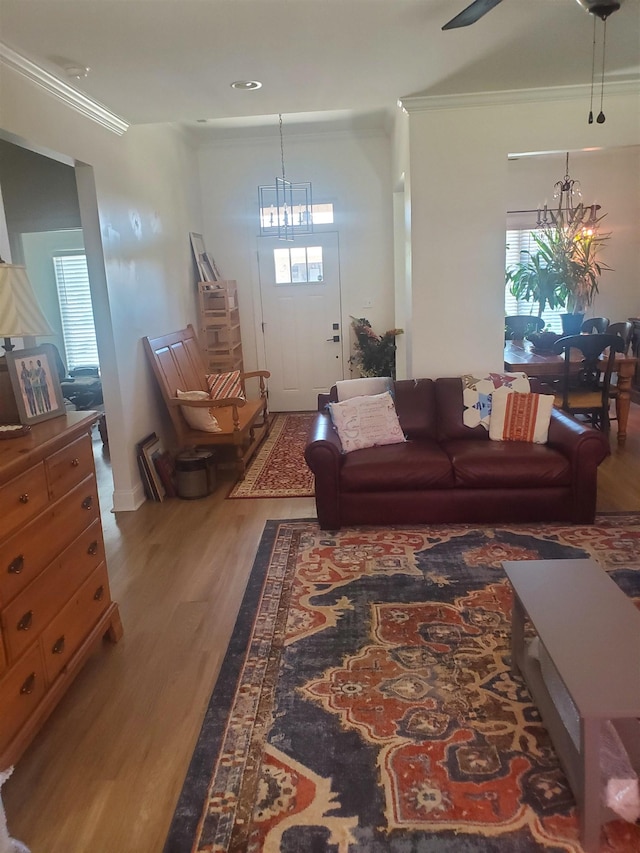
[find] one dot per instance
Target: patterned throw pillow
(200, 419)
(477, 394)
(520, 417)
(223, 385)
(366, 422)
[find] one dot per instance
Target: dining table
(521, 356)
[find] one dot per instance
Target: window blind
(76, 311)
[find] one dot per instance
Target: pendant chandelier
(568, 195)
(285, 207)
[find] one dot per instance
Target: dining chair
(519, 325)
(625, 330)
(585, 391)
(595, 325)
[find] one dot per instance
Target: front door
(300, 290)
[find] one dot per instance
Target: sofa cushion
(413, 465)
(450, 408)
(363, 387)
(416, 407)
(507, 464)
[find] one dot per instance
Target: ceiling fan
(601, 8)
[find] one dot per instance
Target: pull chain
(601, 117)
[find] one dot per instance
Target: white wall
(351, 170)
(459, 195)
(147, 198)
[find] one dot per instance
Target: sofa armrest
(324, 456)
(585, 448)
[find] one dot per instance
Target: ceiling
(174, 60)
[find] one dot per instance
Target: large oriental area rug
(278, 470)
(366, 702)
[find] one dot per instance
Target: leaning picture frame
(36, 386)
(208, 257)
(149, 448)
(197, 246)
(208, 267)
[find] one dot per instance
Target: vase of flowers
(374, 355)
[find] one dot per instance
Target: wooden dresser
(55, 605)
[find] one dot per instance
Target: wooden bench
(177, 364)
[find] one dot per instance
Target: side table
(590, 631)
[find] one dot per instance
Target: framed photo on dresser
(36, 386)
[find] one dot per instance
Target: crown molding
(425, 103)
(61, 90)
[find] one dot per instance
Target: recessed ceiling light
(246, 85)
(78, 72)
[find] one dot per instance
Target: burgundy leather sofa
(447, 472)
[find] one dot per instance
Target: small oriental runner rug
(278, 469)
(366, 703)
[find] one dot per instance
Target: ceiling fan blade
(471, 14)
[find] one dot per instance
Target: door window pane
(282, 261)
(298, 265)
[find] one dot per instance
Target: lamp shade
(20, 313)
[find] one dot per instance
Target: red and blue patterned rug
(366, 703)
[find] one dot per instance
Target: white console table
(591, 632)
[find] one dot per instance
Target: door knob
(335, 339)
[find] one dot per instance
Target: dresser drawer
(22, 498)
(28, 614)
(67, 631)
(20, 692)
(69, 466)
(25, 554)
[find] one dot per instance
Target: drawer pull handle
(99, 593)
(24, 499)
(29, 684)
(58, 647)
(16, 566)
(87, 503)
(75, 462)
(93, 548)
(26, 622)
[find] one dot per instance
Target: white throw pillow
(477, 394)
(200, 419)
(520, 417)
(366, 421)
(364, 387)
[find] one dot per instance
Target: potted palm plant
(534, 279)
(566, 268)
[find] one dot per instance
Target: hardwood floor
(105, 772)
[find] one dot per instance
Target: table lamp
(20, 316)
(20, 313)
